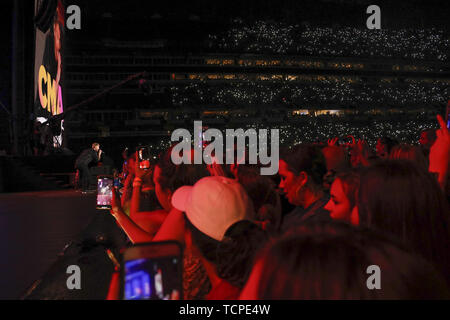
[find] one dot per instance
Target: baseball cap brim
(181, 196)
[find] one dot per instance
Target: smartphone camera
(152, 271)
(104, 192)
(144, 158)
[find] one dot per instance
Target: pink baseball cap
(213, 204)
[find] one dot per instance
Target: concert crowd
(309, 232)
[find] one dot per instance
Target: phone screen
(144, 158)
(104, 192)
(156, 275)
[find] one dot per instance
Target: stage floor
(35, 227)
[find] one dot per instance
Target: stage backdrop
(48, 66)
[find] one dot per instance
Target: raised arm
(440, 153)
(173, 227)
(133, 231)
(140, 176)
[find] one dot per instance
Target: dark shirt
(315, 212)
(86, 157)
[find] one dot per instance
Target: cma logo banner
(51, 97)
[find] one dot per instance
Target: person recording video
(92, 154)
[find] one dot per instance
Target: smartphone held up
(105, 186)
(152, 271)
(144, 158)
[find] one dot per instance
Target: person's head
(262, 192)
(408, 152)
(58, 27)
(384, 146)
(301, 170)
(168, 177)
(427, 138)
(336, 158)
(96, 146)
(234, 256)
(219, 213)
(337, 161)
(239, 161)
(326, 261)
(131, 164)
(343, 194)
(399, 197)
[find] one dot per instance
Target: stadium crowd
(309, 232)
(276, 37)
(278, 93)
(317, 129)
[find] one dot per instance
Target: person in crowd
(427, 139)
(439, 157)
(86, 157)
(301, 170)
(343, 194)
(384, 146)
(218, 216)
(37, 147)
(336, 158)
(265, 198)
(144, 207)
(403, 199)
(166, 224)
(360, 154)
(125, 156)
(167, 177)
(330, 261)
(127, 189)
(408, 152)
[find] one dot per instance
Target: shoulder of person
(292, 218)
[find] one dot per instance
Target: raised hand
(138, 172)
(332, 142)
(360, 152)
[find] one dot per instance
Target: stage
(37, 227)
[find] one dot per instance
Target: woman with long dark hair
(335, 261)
(403, 199)
(301, 170)
(167, 177)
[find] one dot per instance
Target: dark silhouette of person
(92, 154)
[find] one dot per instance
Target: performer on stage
(83, 161)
